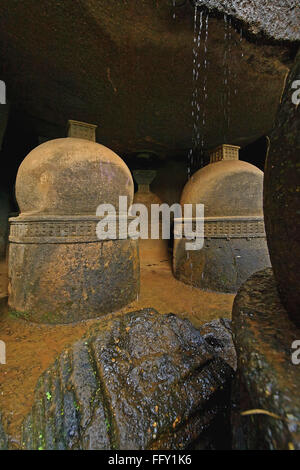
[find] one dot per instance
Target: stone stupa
(59, 271)
(235, 244)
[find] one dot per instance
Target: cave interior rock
(165, 102)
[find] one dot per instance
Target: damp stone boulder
(137, 381)
(235, 244)
(282, 195)
(218, 334)
(59, 270)
(267, 382)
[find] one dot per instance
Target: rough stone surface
(277, 19)
(3, 437)
(71, 176)
(63, 283)
(221, 265)
(140, 381)
(226, 189)
(281, 197)
(59, 269)
(218, 334)
(127, 67)
(266, 377)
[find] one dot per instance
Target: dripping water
(205, 91)
(242, 55)
(198, 22)
(229, 74)
(241, 42)
(227, 78)
(200, 90)
(199, 98)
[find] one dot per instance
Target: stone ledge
(277, 20)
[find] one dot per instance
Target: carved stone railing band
(228, 227)
(61, 229)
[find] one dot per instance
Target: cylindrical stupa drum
(234, 235)
(4, 214)
(59, 270)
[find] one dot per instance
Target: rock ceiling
(127, 66)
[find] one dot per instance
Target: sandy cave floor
(31, 348)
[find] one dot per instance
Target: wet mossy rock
(282, 194)
(218, 334)
(266, 379)
(140, 381)
(3, 437)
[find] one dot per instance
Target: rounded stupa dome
(226, 188)
(71, 176)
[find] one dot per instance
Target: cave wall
(128, 68)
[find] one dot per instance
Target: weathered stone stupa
(59, 271)
(144, 195)
(151, 250)
(235, 241)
